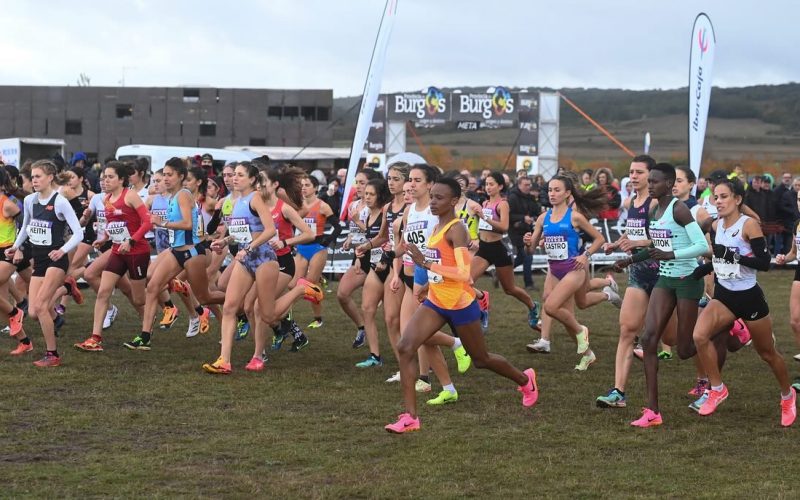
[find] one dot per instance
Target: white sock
(456, 343)
(717, 387)
(544, 341)
(450, 388)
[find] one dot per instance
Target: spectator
(523, 208)
(790, 212)
(333, 195)
(757, 198)
(784, 214)
(207, 164)
(604, 179)
(587, 183)
(472, 190)
(702, 188)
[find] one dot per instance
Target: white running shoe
(394, 378)
(613, 296)
(7, 330)
(422, 386)
(111, 315)
(796, 356)
(613, 282)
(194, 327)
(541, 346)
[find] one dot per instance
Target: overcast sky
(637, 44)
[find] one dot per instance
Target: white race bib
(482, 224)
(40, 232)
(433, 256)
(726, 270)
(239, 229)
(171, 236)
(635, 230)
(375, 255)
(556, 248)
(118, 232)
(201, 225)
(415, 233)
(662, 239)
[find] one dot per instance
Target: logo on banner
(502, 102)
(702, 42)
(435, 102)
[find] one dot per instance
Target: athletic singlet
(45, 229)
(444, 292)
(390, 218)
(315, 219)
(711, 208)
(489, 210)
(668, 236)
(121, 222)
(203, 218)
(727, 270)
(98, 208)
(181, 237)
(638, 221)
(469, 220)
(159, 207)
(694, 211)
(373, 230)
(561, 240)
(419, 225)
(243, 222)
(356, 234)
(8, 226)
(283, 228)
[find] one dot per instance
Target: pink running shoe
(255, 365)
(699, 388)
(740, 331)
(649, 418)
(530, 392)
(715, 398)
(405, 423)
(789, 409)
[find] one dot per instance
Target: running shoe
(59, 309)
(483, 305)
(740, 331)
(299, 343)
(649, 418)
(586, 361)
(394, 378)
(317, 323)
(422, 386)
(715, 398)
(76, 294)
(583, 340)
(704, 300)
(21, 349)
(533, 316)
(204, 320)
(49, 360)
(92, 344)
(612, 283)
(699, 388)
(444, 397)
(242, 329)
(137, 344)
(15, 322)
(313, 293)
(613, 297)
(169, 318)
(277, 340)
(218, 367)
(462, 359)
(58, 323)
(614, 399)
(370, 362)
(665, 355)
(530, 391)
(111, 316)
(789, 409)
(194, 327)
(6, 329)
(361, 337)
(638, 351)
(541, 346)
(698, 403)
(405, 423)
(255, 365)
(796, 357)
(796, 384)
(484, 318)
(180, 287)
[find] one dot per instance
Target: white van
(158, 155)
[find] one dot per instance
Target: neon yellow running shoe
(583, 340)
(444, 398)
(462, 359)
(586, 361)
(317, 323)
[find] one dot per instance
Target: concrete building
(97, 120)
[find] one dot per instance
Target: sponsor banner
(376, 161)
(468, 126)
(376, 138)
(701, 66)
(528, 143)
(528, 163)
(427, 109)
(497, 109)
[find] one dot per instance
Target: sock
(13, 312)
(450, 388)
(787, 396)
(717, 387)
(297, 333)
(169, 304)
(608, 295)
(199, 310)
(456, 343)
(425, 378)
(145, 336)
(53, 352)
(622, 393)
(375, 356)
(361, 327)
(318, 319)
(23, 303)
(68, 287)
(25, 341)
(242, 317)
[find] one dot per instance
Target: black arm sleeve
(640, 256)
(333, 220)
(213, 224)
(760, 259)
(702, 270)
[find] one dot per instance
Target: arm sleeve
(640, 255)
(760, 260)
(64, 209)
(146, 225)
(213, 224)
(461, 271)
(698, 246)
(333, 220)
(26, 218)
(702, 270)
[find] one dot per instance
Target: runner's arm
(26, 219)
(457, 235)
(64, 209)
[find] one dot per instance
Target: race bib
(433, 256)
(171, 236)
(482, 224)
(201, 226)
(239, 229)
(40, 232)
(635, 230)
(375, 255)
(726, 270)
(415, 233)
(556, 248)
(797, 240)
(311, 221)
(100, 225)
(118, 231)
(662, 239)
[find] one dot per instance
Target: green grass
(152, 424)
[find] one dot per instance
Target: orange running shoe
(92, 344)
(22, 349)
(49, 360)
(205, 320)
(180, 287)
(218, 367)
(15, 322)
(313, 293)
(76, 294)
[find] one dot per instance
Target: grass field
(152, 424)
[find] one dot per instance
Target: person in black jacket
(523, 209)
